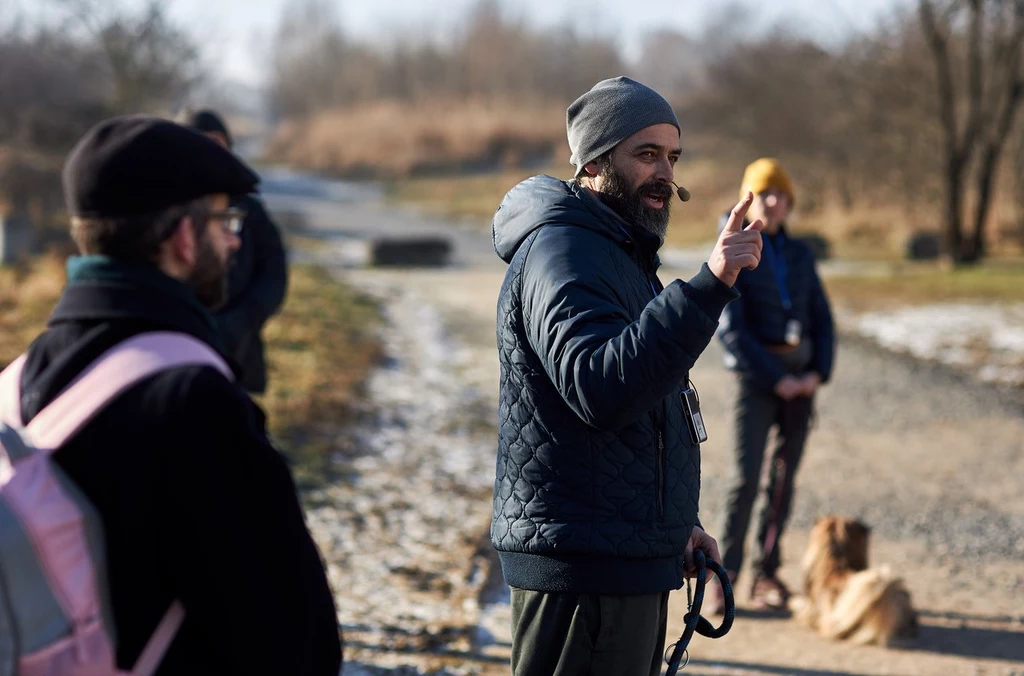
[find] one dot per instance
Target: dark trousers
(558, 634)
(757, 412)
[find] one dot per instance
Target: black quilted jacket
(257, 284)
(597, 479)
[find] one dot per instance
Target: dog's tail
(873, 607)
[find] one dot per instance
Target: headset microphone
(683, 193)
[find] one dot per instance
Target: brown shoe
(769, 592)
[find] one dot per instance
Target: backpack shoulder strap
(153, 654)
(10, 392)
(114, 371)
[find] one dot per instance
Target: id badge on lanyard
(692, 414)
(794, 331)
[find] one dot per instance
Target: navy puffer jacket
(597, 480)
(759, 318)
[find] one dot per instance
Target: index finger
(739, 213)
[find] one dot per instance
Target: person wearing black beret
(196, 504)
(258, 277)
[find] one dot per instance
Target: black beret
(205, 120)
(135, 165)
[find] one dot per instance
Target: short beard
(616, 193)
(209, 279)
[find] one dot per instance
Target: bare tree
(671, 63)
(153, 64)
(1017, 182)
(994, 34)
(493, 56)
(53, 90)
(310, 51)
(782, 97)
(58, 80)
(888, 129)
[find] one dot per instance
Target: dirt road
(934, 463)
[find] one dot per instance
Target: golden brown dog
(842, 597)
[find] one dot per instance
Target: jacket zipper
(661, 474)
(660, 459)
(661, 437)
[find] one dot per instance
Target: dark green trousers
(557, 634)
(756, 413)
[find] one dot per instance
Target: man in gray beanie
(598, 469)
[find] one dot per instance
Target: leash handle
(704, 627)
(693, 621)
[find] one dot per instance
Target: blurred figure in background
(258, 279)
(779, 340)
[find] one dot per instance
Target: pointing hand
(737, 247)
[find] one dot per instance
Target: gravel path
(401, 531)
(932, 461)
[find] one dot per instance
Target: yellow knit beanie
(766, 174)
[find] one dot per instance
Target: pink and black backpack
(55, 614)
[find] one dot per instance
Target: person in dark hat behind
(258, 279)
(195, 503)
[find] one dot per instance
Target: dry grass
(28, 293)
(320, 348)
(877, 232)
(475, 198)
(394, 139)
(459, 158)
(916, 284)
(472, 198)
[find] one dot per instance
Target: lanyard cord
(776, 254)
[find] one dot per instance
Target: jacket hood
(544, 200)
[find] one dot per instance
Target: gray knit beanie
(612, 111)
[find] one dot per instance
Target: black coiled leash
(694, 621)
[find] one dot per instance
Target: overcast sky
(236, 34)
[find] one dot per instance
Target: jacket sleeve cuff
(709, 293)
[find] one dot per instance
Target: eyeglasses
(230, 220)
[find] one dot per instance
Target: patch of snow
(986, 337)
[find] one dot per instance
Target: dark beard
(209, 280)
(616, 193)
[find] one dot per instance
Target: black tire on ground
(410, 252)
(923, 246)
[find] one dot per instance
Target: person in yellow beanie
(779, 340)
(766, 175)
